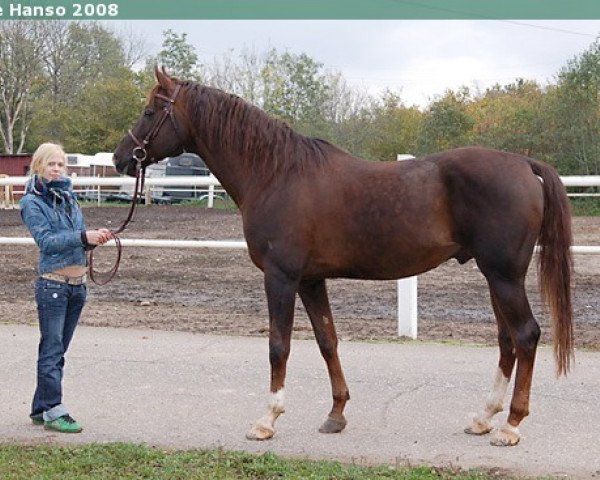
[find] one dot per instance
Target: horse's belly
(386, 266)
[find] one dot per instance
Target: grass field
(585, 206)
(126, 461)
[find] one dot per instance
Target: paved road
(409, 403)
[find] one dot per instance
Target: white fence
(406, 288)
(92, 186)
(201, 180)
(129, 242)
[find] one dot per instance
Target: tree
(44, 68)
(348, 114)
(573, 113)
(77, 53)
(508, 118)
(295, 90)
(237, 73)
(102, 113)
(177, 55)
(447, 123)
(133, 45)
(20, 78)
(76, 57)
(394, 128)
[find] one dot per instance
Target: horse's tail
(555, 263)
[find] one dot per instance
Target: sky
(419, 59)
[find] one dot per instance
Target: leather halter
(139, 153)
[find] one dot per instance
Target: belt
(65, 279)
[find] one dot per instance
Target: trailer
(181, 165)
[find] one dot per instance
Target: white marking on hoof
(479, 426)
(264, 428)
(260, 432)
(507, 436)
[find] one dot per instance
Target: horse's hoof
(260, 432)
(332, 425)
(479, 427)
(505, 437)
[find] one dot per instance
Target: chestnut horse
(312, 211)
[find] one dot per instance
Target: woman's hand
(98, 237)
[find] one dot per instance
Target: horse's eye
(148, 112)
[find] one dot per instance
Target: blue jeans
(59, 307)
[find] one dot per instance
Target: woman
(50, 211)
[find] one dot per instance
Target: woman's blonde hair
(42, 156)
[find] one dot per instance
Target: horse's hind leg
(511, 300)
(281, 295)
(314, 298)
(482, 423)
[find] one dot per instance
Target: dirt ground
(220, 291)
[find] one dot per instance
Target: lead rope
(140, 176)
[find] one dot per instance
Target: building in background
(15, 164)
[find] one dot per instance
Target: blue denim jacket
(56, 224)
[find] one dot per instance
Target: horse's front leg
(314, 298)
(281, 295)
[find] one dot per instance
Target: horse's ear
(162, 77)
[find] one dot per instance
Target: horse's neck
(231, 172)
(240, 172)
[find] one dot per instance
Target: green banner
(299, 9)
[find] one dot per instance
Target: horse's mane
(267, 144)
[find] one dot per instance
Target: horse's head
(159, 132)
